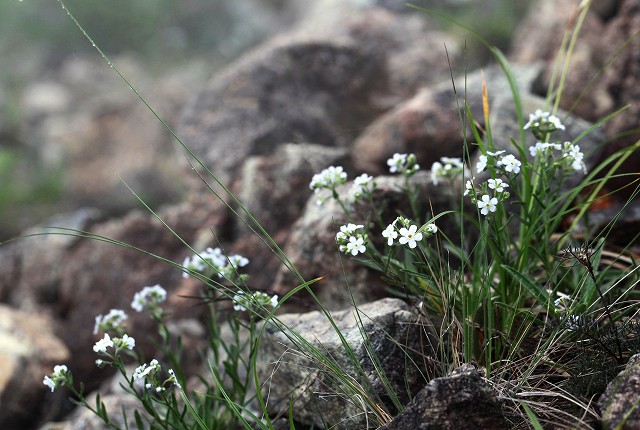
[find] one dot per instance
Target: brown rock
(29, 350)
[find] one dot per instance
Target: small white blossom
(243, 301)
(329, 178)
(497, 184)
(403, 163)
(148, 297)
(57, 378)
(542, 147)
(487, 204)
(482, 163)
(127, 342)
(542, 123)
(575, 156)
(390, 233)
(496, 153)
(510, 163)
(173, 378)
(143, 371)
(356, 245)
(468, 187)
(103, 344)
(447, 168)
(410, 236)
(111, 321)
(361, 184)
(431, 228)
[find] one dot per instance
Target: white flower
(128, 342)
(58, 377)
(356, 245)
(481, 164)
(49, 383)
(145, 370)
(111, 321)
(487, 204)
(575, 156)
(431, 228)
(103, 344)
(172, 378)
(436, 169)
(403, 163)
(542, 147)
(242, 301)
(396, 162)
(449, 168)
(390, 233)
(496, 153)
(409, 236)
(544, 121)
(497, 184)
(361, 184)
(468, 187)
(238, 261)
(148, 296)
(510, 163)
(329, 178)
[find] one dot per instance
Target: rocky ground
(350, 83)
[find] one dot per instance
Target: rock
(275, 187)
(604, 73)
(428, 124)
(619, 403)
(83, 121)
(320, 83)
(460, 401)
(394, 334)
(312, 247)
(77, 279)
(29, 349)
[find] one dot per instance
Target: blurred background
(70, 129)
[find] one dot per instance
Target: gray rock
(459, 401)
(619, 403)
(29, 350)
(428, 124)
(393, 335)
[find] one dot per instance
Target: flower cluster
(58, 378)
(406, 233)
(328, 179)
(113, 321)
(148, 374)
(149, 298)
(212, 260)
(488, 195)
(542, 123)
(117, 343)
(405, 164)
(446, 168)
(504, 164)
(243, 301)
(362, 185)
(351, 239)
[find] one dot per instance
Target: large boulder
(385, 338)
(320, 83)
